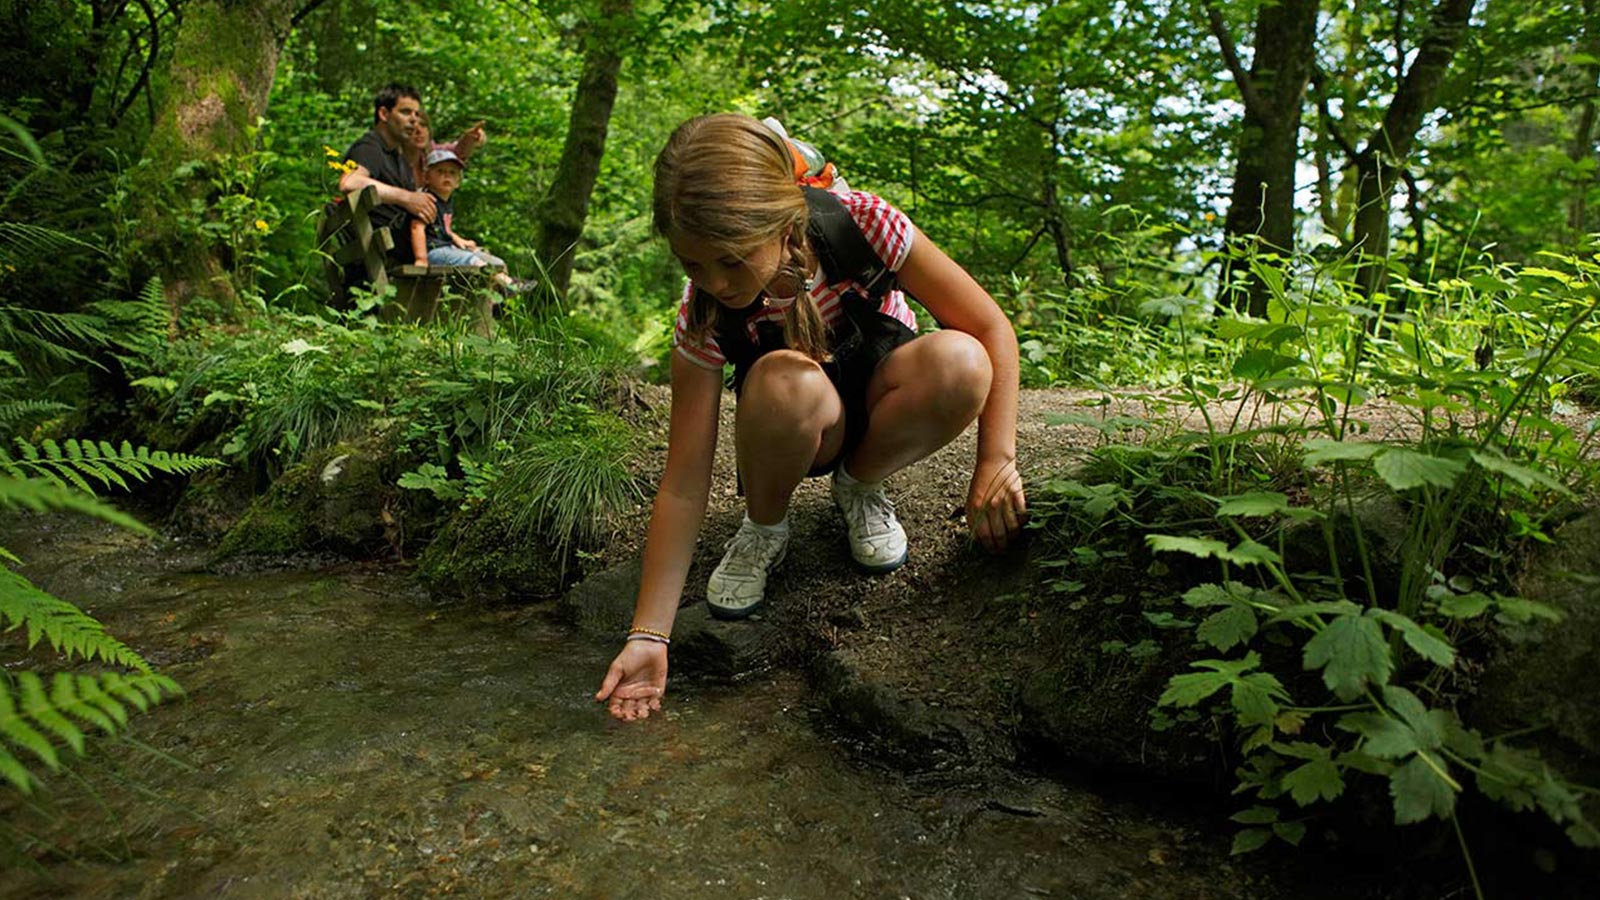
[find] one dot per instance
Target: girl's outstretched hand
(636, 680)
(997, 508)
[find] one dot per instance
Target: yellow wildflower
(332, 153)
(261, 224)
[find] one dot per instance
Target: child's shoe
(736, 588)
(877, 541)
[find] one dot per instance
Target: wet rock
(1542, 678)
(902, 728)
(602, 605)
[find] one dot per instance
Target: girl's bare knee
(788, 388)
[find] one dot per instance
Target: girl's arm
(996, 505)
(637, 677)
(419, 242)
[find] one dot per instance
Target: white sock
(782, 527)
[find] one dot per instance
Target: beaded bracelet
(648, 634)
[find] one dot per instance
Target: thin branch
(305, 10)
(1028, 247)
(1253, 100)
(1327, 114)
(828, 120)
(143, 81)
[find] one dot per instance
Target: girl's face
(734, 279)
(422, 138)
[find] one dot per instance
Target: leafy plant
(1281, 453)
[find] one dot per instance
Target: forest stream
(345, 735)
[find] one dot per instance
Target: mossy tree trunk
(565, 205)
(1261, 213)
(223, 64)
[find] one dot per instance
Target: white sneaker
(736, 588)
(877, 541)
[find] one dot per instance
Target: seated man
(380, 161)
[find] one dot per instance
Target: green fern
(29, 712)
(15, 412)
(41, 334)
(21, 241)
(72, 632)
(139, 326)
(45, 496)
(73, 462)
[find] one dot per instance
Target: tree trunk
(1379, 162)
(565, 205)
(1583, 139)
(222, 69)
(1261, 214)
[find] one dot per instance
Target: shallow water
(346, 736)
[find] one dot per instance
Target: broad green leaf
(1231, 626)
(1211, 595)
(1249, 553)
(1201, 547)
(1496, 462)
(1322, 450)
(1292, 833)
(1190, 689)
(1405, 469)
(1429, 646)
(1463, 606)
(1255, 815)
(1351, 653)
(1250, 839)
(1584, 835)
(1427, 725)
(1255, 698)
(1382, 736)
(1419, 792)
(1318, 779)
(1520, 610)
(1255, 503)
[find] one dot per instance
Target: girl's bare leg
(921, 397)
(789, 418)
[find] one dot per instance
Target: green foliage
(1326, 669)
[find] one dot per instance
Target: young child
(828, 380)
(436, 243)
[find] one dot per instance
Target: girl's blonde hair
(728, 180)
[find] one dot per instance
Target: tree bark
(223, 65)
(1261, 215)
(565, 205)
(1379, 163)
(1583, 138)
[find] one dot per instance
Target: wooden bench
(351, 245)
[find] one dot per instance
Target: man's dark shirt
(387, 166)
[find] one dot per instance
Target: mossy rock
(478, 553)
(1542, 678)
(340, 500)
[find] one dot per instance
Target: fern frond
(49, 334)
(17, 492)
(13, 412)
(29, 716)
(71, 631)
(73, 462)
(138, 326)
(21, 240)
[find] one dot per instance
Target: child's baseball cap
(442, 155)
